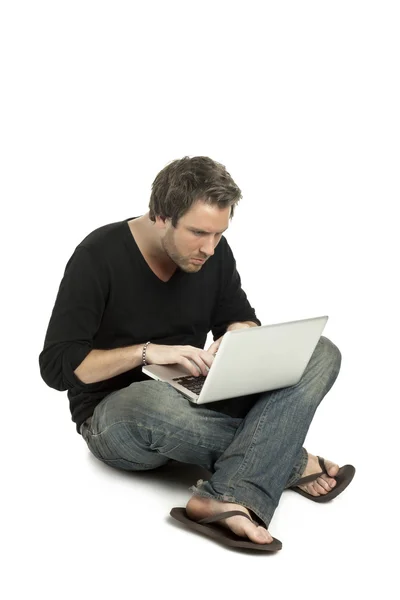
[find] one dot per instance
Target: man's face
(196, 236)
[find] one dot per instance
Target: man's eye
(198, 232)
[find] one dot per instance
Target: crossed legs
(252, 458)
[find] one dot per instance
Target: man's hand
(181, 355)
(243, 325)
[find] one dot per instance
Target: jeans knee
(330, 355)
(332, 352)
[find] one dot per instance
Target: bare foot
(199, 508)
(323, 484)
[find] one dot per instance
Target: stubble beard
(180, 261)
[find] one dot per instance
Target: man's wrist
(144, 361)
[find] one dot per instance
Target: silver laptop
(251, 360)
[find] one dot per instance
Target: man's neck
(146, 233)
(148, 239)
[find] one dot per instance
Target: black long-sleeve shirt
(110, 298)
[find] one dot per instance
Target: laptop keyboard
(192, 383)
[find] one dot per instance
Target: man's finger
(215, 345)
(214, 348)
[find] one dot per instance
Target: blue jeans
(252, 446)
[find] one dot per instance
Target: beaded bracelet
(144, 353)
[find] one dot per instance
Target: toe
(314, 487)
(263, 535)
(255, 533)
(332, 468)
(310, 489)
(246, 528)
(320, 487)
(327, 482)
(323, 484)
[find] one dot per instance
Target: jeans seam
(300, 471)
(245, 460)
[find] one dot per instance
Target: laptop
(256, 359)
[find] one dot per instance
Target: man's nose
(208, 247)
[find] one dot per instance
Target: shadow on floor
(176, 474)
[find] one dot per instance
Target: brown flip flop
(210, 527)
(343, 478)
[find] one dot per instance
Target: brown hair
(182, 182)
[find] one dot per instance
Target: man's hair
(182, 182)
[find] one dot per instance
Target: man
(147, 290)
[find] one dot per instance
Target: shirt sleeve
(233, 304)
(74, 321)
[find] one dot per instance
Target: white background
(300, 101)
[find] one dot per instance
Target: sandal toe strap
(315, 476)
